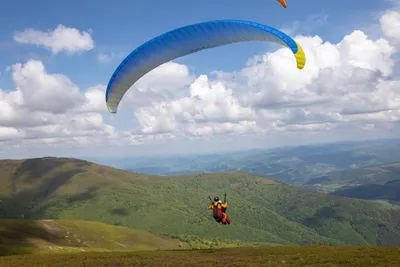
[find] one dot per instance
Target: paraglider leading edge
(186, 40)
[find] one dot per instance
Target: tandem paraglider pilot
(219, 210)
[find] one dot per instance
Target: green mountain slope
(54, 236)
(388, 192)
(262, 210)
(373, 174)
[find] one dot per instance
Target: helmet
(216, 198)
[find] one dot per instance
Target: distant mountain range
(375, 182)
(371, 174)
(295, 165)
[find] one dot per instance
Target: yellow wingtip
(300, 57)
(109, 109)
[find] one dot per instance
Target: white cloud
(61, 39)
(240, 128)
(94, 100)
(109, 57)
(105, 58)
(40, 91)
(7, 133)
(160, 84)
(50, 108)
(207, 103)
(390, 25)
(169, 76)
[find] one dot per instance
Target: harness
(217, 211)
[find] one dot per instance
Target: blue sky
(121, 26)
(118, 27)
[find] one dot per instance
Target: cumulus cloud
(342, 83)
(160, 84)
(47, 110)
(40, 91)
(390, 25)
(8, 132)
(94, 99)
(47, 106)
(61, 39)
(207, 103)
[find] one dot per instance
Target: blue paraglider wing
(188, 40)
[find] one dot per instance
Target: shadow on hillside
(33, 169)
(41, 211)
(34, 202)
(87, 195)
(387, 237)
(389, 191)
(119, 211)
(333, 212)
(22, 236)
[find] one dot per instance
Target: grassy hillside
(374, 174)
(262, 210)
(266, 256)
(389, 192)
(50, 236)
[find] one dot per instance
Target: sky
(56, 61)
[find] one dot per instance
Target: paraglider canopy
(283, 3)
(187, 40)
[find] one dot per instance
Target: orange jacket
(222, 206)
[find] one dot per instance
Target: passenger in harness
(219, 209)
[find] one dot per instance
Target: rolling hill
(262, 210)
(370, 175)
(374, 182)
(19, 236)
(389, 191)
